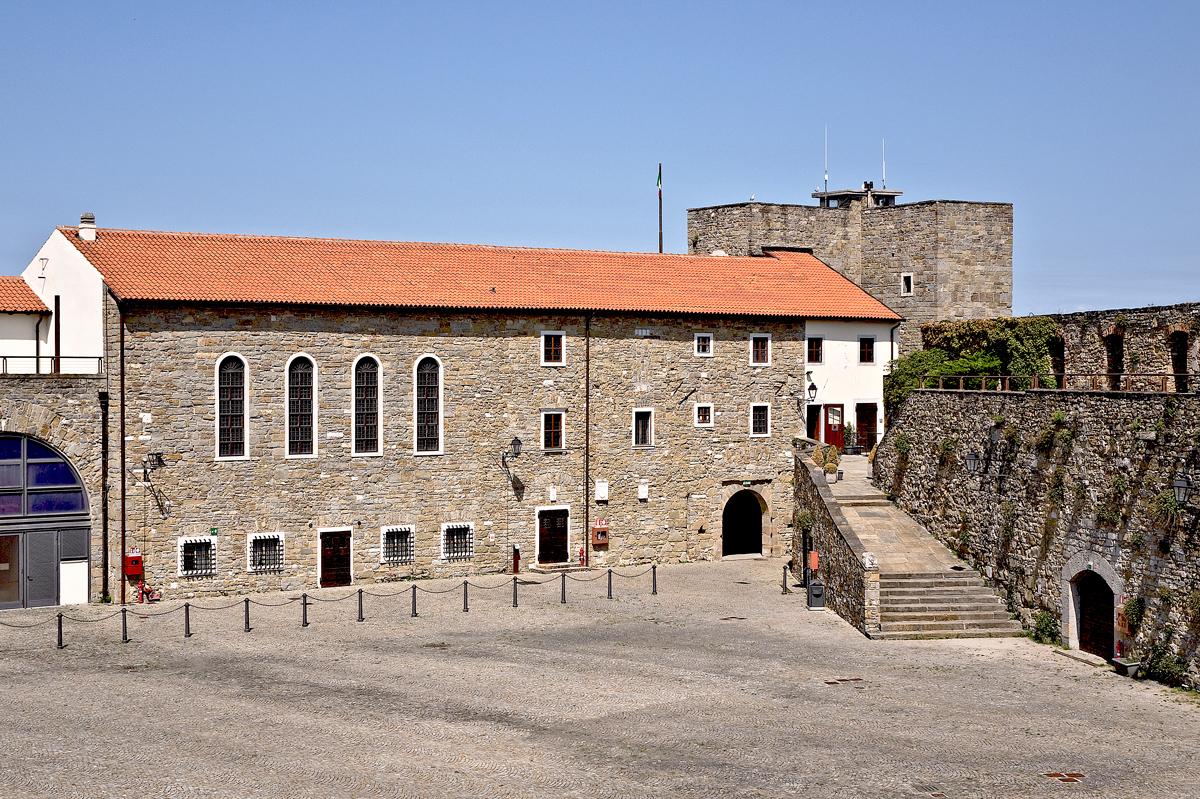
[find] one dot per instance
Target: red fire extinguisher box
(133, 566)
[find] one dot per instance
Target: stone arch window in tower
(301, 407)
(1114, 351)
(366, 406)
(1178, 343)
(428, 386)
(231, 407)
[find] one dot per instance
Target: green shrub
(903, 444)
(1045, 628)
(1161, 665)
(1135, 611)
(1058, 418)
(1165, 510)
(805, 521)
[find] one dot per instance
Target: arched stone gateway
(44, 526)
(1091, 590)
(742, 524)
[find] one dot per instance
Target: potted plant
(851, 440)
(831, 472)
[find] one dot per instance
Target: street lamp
(973, 462)
(1182, 486)
(513, 451)
(812, 392)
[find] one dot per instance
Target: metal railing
(23, 365)
(1138, 382)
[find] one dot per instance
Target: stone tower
(929, 261)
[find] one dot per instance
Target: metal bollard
(246, 614)
(465, 606)
(187, 620)
(786, 590)
(564, 588)
(360, 608)
(514, 592)
(304, 610)
(610, 583)
(414, 602)
(654, 579)
(61, 645)
(124, 628)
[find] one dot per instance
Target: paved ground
(719, 686)
(900, 545)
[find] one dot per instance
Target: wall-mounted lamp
(512, 453)
(1182, 486)
(973, 462)
(812, 387)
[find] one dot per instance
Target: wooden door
(1096, 615)
(335, 558)
(552, 536)
(834, 434)
(866, 417)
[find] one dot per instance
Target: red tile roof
(17, 297)
(221, 268)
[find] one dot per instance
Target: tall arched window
(366, 406)
(231, 407)
(301, 406)
(428, 386)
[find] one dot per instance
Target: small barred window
(398, 545)
(266, 553)
(458, 542)
(197, 557)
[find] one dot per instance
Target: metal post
(187, 620)
(360, 607)
(246, 613)
(124, 627)
(304, 610)
(414, 601)
(514, 592)
(610, 583)
(786, 590)
(654, 579)
(563, 580)
(466, 607)
(61, 645)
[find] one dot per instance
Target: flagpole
(660, 238)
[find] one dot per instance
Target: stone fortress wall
(1071, 481)
(958, 253)
(494, 389)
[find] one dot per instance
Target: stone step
(863, 502)
(948, 574)
(942, 607)
(900, 635)
(940, 614)
(946, 626)
(940, 582)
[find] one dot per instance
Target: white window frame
(194, 539)
(245, 456)
(542, 430)
(396, 528)
(712, 414)
(250, 539)
(712, 340)
(754, 405)
(542, 348)
(753, 336)
(354, 410)
(441, 450)
(633, 428)
(911, 284)
(287, 407)
(445, 527)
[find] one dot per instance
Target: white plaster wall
(81, 291)
(840, 378)
(16, 339)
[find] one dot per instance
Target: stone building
(295, 412)
(928, 261)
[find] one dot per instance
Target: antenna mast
(827, 159)
(883, 144)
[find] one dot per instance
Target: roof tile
(17, 297)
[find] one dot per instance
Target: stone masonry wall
(1146, 333)
(849, 572)
(1072, 482)
(494, 389)
(959, 253)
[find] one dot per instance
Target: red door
(833, 426)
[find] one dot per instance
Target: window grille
(300, 407)
(760, 420)
(760, 350)
(197, 557)
(458, 542)
(398, 545)
(429, 434)
(552, 430)
(231, 408)
(643, 428)
(366, 406)
(266, 553)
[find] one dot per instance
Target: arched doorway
(44, 526)
(742, 524)
(1095, 605)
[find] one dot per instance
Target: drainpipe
(121, 358)
(37, 344)
(587, 439)
(104, 555)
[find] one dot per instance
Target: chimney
(87, 226)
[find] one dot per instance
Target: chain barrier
(152, 615)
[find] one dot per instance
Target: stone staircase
(954, 603)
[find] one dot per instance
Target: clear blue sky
(542, 124)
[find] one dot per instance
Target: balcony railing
(1141, 382)
(51, 365)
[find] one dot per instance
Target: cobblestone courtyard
(718, 686)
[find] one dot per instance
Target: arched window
(301, 406)
(366, 406)
(231, 407)
(35, 480)
(428, 386)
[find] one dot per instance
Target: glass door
(10, 571)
